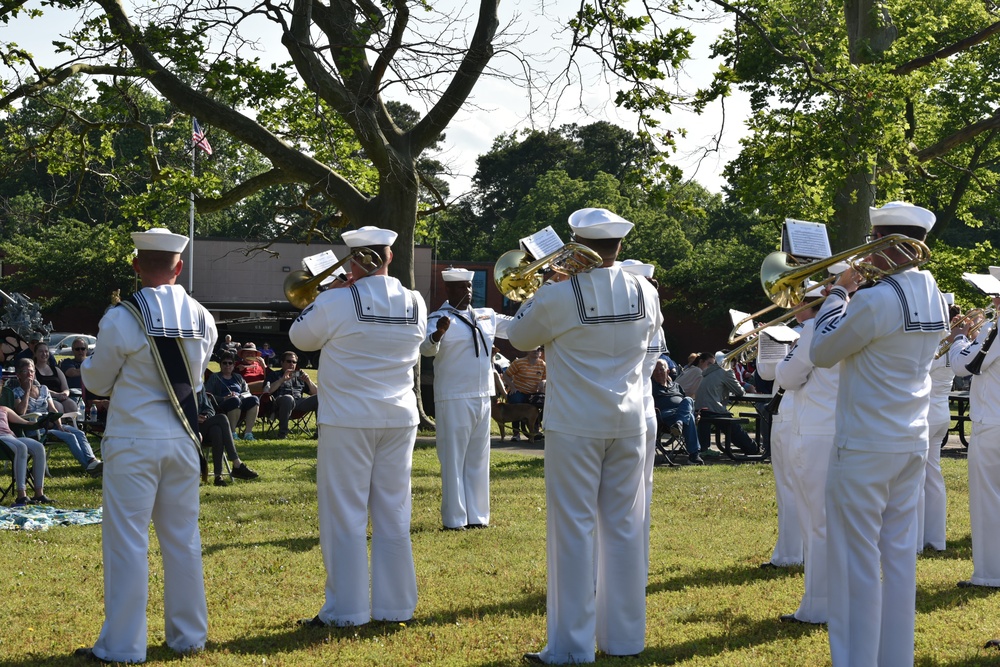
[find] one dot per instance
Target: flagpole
(194, 158)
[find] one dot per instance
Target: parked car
(64, 348)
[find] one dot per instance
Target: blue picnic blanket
(43, 517)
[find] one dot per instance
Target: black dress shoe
(993, 643)
(768, 566)
(453, 527)
(88, 654)
(314, 622)
(790, 618)
(966, 583)
(534, 658)
(473, 526)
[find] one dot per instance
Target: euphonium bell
(518, 278)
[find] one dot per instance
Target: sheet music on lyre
(320, 262)
(984, 282)
(805, 240)
(775, 342)
(542, 243)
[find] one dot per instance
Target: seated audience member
(287, 385)
(525, 379)
(70, 366)
(48, 374)
(26, 395)
(675, 410)
(29, 352)
(713, 392)
(217, 434)
(266, 353)
(251, 366)
(233, 396)
(23, 447)
(690, 379)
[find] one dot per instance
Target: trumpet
(518, 278)
(974, 319)
(784, 280)
(302, 288)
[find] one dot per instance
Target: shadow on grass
(956, 550)
(520, 467)
(294, 544)
(742, 632)
(703, 577)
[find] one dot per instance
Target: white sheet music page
(318, 263)
(805, 240)
(542, 243)
(738, 316)
(983, 282)
(775, 342)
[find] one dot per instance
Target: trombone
(975, 319)
(784, 280)
(518, 278)
(302, 288)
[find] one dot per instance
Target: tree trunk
(870, 32)
(395, 208)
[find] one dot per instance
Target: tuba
(784, 280)
(518, 278)
(302, 288)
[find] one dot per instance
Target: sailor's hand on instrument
(850, 280)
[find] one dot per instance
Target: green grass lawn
(482, 593)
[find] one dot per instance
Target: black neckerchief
(472, 325)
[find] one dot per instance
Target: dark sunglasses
(79, 349)
(226, 363)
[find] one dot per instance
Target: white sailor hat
(598, 223)
(453, 275)
(902, 213)
(949, 298)
(837, 268)
(636, 267)
(368, 236)
(160, 239)
(995, 272)
(813, 289)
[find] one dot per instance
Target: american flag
(198, 138)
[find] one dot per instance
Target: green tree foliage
(855, 102)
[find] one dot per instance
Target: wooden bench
(722, 427)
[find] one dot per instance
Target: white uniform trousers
(145, 480)
(594, 491)
(647, 476)
(932, 508)
(788, 547)
(463, 448)
(984, 503)
(358, 470)
(809, 460)
(871, 518)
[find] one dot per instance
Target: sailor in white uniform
(984, 448)
(151, 463)
(596, 328)
(932, 508)
(788, 546)
(369, 331)
(808, 451)
(657, 346)
(461, 343)
(884, 338)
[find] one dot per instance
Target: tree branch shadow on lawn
(705, 577)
